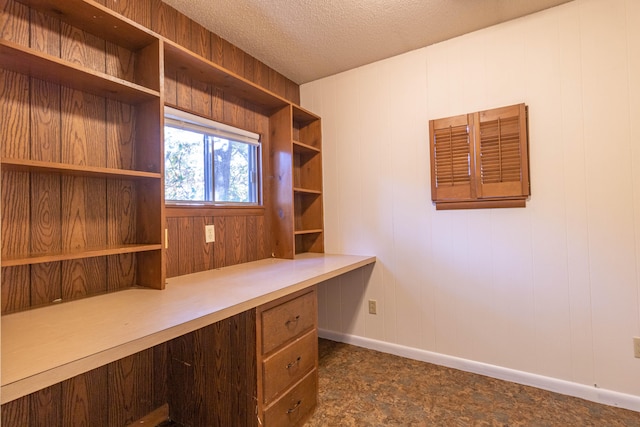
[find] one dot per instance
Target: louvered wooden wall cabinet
(480, 160)
(80, 114)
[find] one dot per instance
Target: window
(209, 162)
(480, 160)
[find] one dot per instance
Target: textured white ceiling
(309, 39)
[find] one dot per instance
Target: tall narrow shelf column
(297, 183)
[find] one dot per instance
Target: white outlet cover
(210, 233)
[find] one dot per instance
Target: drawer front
(294, 407)
(285, 321)
(289, 365)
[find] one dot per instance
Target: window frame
(183, 120)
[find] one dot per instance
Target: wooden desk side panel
(207, 377)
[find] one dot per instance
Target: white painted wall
(552, 289)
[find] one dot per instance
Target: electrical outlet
(210, 233)
(373, 306)
(636, 347)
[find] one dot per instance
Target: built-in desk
(44, 346)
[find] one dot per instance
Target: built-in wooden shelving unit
(81, 166)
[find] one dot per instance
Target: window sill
(184, 210)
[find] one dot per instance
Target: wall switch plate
(210, 233)
(373, 306)
(636, 347)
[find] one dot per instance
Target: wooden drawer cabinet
(289, 365)
(287, 349)
(287, 320)
(296, 406)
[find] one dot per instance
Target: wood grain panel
(16, 413)
(203, 355)
(85, 399)
(261, 74)
(183, 92)
(121, 212)
(82, 48)
(130, 383)
(186, 245)
(84, 212)
(46, 283)
(255, 238)
(252, 237)
(120, 135)
(14, 22)
(277, 83)
(45, 221)
(45, 33)
(220, 385)
(83, 277)
(232, 58)
(45, 406)
(181, 391)
(136, 10)
(163, 18)
(122, 271)
(15, 213)
(173, 249)
(201, 98)
(200, 40)
(120, 62)
(243, 367)
(183, 30)
(14, 114)
(83, 128)
(45, 120)
(220, 247)
(160, 375)
(15, 288)
(217, 49)
(170, 87)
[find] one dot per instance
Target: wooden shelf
(206, 71)
(306, 191)
(12, 261)
(63, 168)
(301, 146)
(302, 116)
(23, 60)
(97, 20)
(314, 231)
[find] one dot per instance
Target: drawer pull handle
(291, 321)
(294, 363)
(295, 407)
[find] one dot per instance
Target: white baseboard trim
(594, 394)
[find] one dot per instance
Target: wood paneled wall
(168, 22)
(240, 237)
(208, 377)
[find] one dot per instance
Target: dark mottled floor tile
(360, 387)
